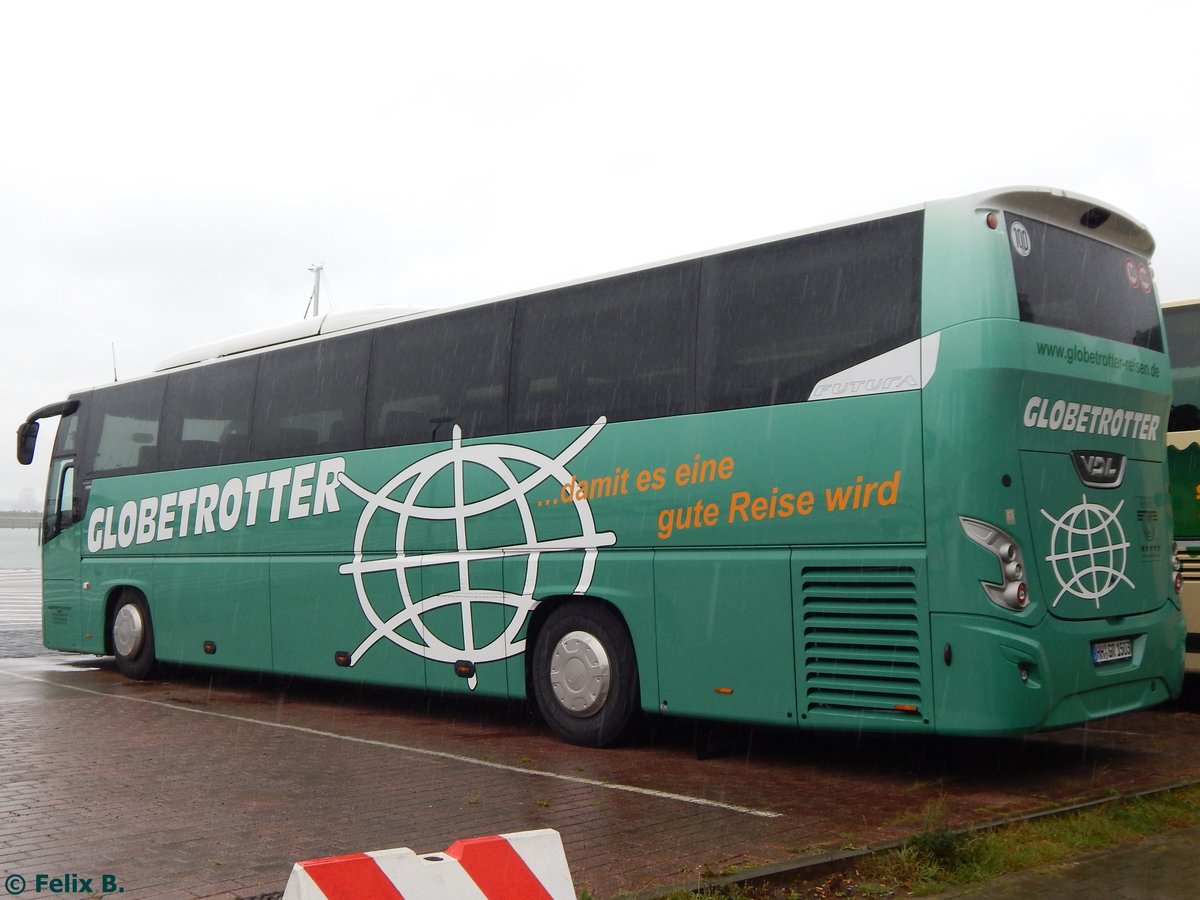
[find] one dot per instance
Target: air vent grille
(862, 642)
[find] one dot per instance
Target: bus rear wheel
(132, 635)
(585, 674)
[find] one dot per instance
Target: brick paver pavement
(213, 785)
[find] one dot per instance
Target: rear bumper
(1005, 679)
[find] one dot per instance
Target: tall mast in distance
(315, 300)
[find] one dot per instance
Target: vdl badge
(1099, 468)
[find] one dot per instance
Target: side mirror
(28, 431)
(27, 442)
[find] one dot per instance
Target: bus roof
(284, 334)
(1074, 212)
(1172, 304)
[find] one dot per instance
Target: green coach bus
(903, 473)
(1182, 320)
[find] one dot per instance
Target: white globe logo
(1088, 551)
(518, 471)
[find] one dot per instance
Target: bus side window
(206, 415)
(310, 398)
(777, 318)
(122, 431)
(622, 347)
(430, 375)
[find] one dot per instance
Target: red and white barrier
(526, 865)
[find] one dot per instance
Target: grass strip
(938, 857)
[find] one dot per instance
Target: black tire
(584, 674)
(132, 636)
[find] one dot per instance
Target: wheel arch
(541, 613)
(117, 593)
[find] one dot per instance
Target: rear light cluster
(1011, 592)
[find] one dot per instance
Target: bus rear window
(1066, 280)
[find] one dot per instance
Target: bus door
(61, 557)
(60, 533)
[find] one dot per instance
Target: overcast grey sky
(169, 171)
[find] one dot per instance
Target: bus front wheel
(133, 637)
(585, 674)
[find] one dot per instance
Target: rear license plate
(1112, 651)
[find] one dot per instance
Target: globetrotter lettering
(297, 492)
(1084, 418)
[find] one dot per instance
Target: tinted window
(122, 433)
(206, 417)
(66, 437)
(309, 398)
(431, 374)
(777, 318)
(621, 347)
(1183, 344)
(64, 503)
(1066, 280)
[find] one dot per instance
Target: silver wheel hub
(129, 630)
(580, 674)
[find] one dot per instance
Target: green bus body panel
(1022, 479)
(1101, 553)
(315, 613)
(1183, 457)
(967, 273)
(985, 460)
(705, 599)
(62, 620)
(222, 600)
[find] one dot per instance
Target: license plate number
(1112, 651)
